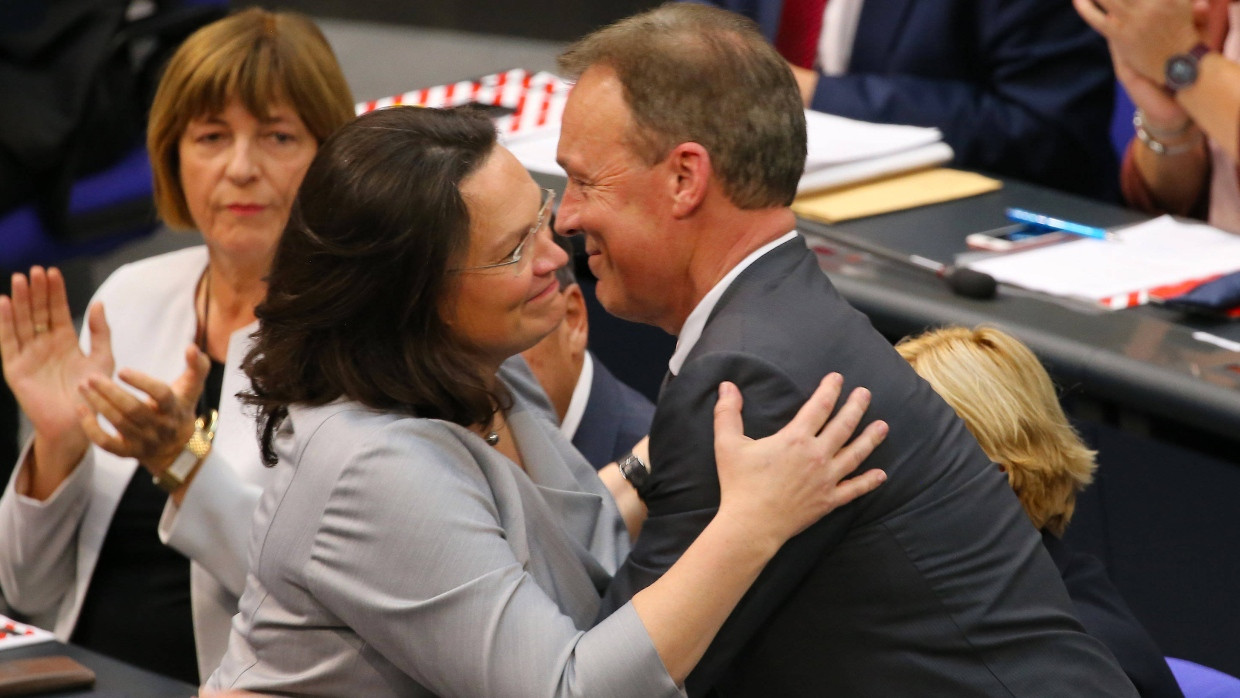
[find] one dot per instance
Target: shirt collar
(691, 331)
(581, 396)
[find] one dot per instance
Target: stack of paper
(845, 151)
(1146, 258)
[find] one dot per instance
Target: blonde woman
(1007, 401)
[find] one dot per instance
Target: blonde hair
(1007, 401)
(260, 58)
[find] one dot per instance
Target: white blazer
(48, 549)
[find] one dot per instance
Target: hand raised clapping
(44, 364)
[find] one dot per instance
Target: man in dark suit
(602, 416)
(683, 141)
(1020, 88)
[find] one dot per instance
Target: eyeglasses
(514, 260)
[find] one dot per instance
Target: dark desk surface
(112, 678)
(1141, 358)
(1161, 408)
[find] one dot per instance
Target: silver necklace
(492, 438)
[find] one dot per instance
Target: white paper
(14, 634)
(1156, 253)
(834, 140)
(536, 151)
(873, 168)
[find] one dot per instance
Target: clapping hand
(44, 364)
(153, 427)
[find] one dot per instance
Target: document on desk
(14, 634)
(894, 193)
(1145, 259)
(845, 151)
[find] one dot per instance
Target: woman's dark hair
(354, 294)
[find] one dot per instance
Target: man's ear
(576, 322)
(690, 172)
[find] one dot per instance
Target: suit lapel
(775, 268)
(881, 23)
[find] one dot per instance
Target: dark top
(934, 584)
(616, 417)
(137, 608)
(1105, 616)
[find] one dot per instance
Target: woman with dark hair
(428, 532)
(1008, 402)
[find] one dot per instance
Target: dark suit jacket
(935, 584)
(1105, 616)
(616, 417)
(1020, 88)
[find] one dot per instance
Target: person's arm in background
(50, 490)
(1142, 35)
(1020, 88)
(631, 506)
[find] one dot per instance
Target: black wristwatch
(635, 470)
(1181, 69)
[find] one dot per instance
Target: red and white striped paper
(536, 98)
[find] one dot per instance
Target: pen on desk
(1020, 215)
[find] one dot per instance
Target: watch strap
(1182, 69)
(192, 456)
(635, 470)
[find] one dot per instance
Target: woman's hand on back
(783, 483)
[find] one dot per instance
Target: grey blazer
(935, 584)
(395, 556)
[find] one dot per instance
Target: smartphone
(1011, 238)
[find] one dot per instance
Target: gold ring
(39, 329)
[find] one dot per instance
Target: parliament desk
(1162, 408)
(113, 678)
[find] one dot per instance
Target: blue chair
(114, 205)
(106, 210)
(1121, 121)
(1197, 681)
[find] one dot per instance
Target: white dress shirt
(839, 29)
(691, 331)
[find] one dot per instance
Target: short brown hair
(360, 274)
(701, 74)
(260, 58)
(1007, 400)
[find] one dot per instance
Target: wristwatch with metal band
(196, 450)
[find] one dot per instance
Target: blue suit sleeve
(1019, 88)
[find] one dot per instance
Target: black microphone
(963, 281)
